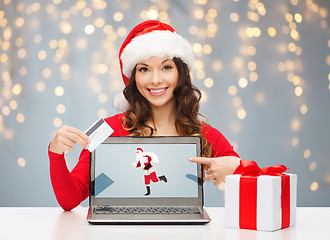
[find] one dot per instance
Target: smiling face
(156, 78)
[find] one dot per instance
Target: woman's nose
(156, 77)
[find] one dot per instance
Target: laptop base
(147, 219)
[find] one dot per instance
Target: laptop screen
(127, 170)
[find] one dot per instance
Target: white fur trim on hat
(159, 44)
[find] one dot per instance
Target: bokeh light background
(262, 66)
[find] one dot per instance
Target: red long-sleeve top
(72, 188)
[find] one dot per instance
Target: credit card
(97, 133)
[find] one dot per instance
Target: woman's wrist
(51, 150)
(236, 164)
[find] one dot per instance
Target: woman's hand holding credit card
(66, 137)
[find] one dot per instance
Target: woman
(155, 64)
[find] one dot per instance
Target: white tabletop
(55, 224)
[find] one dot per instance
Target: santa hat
(139, 149)
(148, 39)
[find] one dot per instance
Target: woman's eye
(168, 67)
(143, 69)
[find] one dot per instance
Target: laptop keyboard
(146, 210)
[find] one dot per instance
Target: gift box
(260, 199)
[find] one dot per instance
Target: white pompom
(120, 103)
(201, 118)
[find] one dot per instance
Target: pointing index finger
(201, 160)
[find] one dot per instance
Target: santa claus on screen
(144, 160)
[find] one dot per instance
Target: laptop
(146, 180)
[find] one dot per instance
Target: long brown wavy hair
(187, 98)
